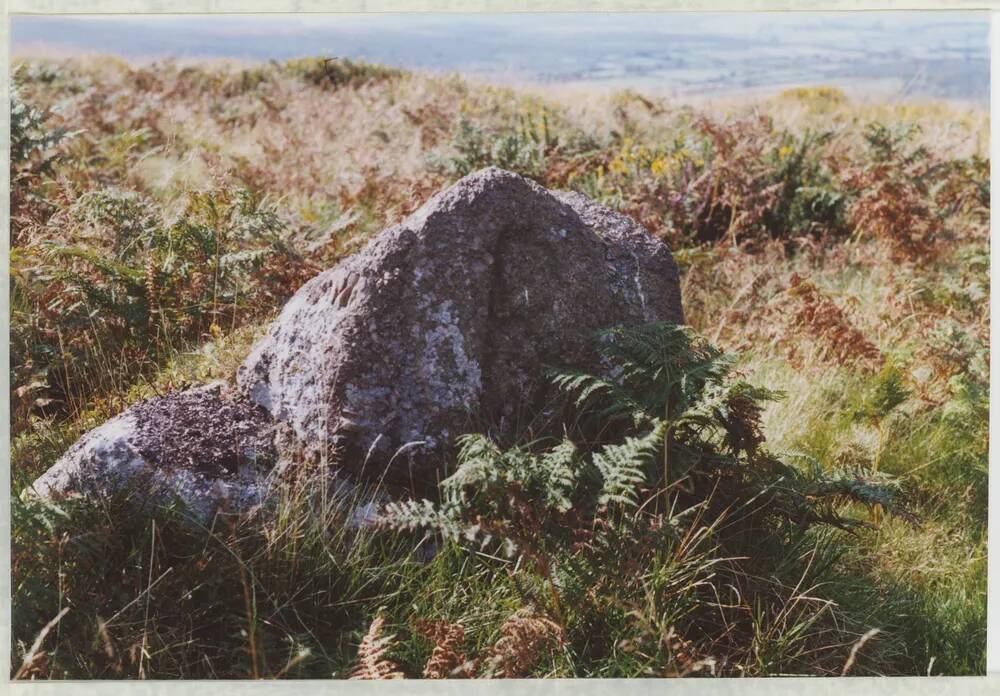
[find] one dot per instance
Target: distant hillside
(903, 54)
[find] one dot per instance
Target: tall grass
(161, 215)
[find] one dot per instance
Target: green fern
(423, 514)
(29, 134)
(660, 369)
(672, 429)
(622, 466)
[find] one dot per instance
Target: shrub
(808, 200)
(822, 98)
(892, 192)
(331, 73)
(522, 149)
(735, 181)
(28, 134)
(964, 188)
(884, 395)
(32, 155)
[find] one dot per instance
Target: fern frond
(524, 638)
(114, 269)
(372, 660)
(581, 385)
(605, 399)
(422, 514)
(447, 659)
(622, 466)
(869, 488)
(245, 257)
(663, 367)
(559, 463)
(814, 487)
(479, 461)
(549, 476)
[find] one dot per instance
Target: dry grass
(804, 244)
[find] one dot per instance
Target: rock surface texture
(200, 448)
(450, 318)
(442, 324)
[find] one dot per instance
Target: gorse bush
(822, 98)
(739, 181)
(808, 201)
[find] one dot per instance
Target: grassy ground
(161, 215)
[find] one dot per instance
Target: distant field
(884, 54)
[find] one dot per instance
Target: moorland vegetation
(795, 483)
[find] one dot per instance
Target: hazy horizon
(900, 54)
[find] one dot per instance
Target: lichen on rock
(444, 321)
(200, 449)
(451, 317)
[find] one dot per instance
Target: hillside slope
(161, 215)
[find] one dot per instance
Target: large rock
(442, 325)
(447, 321)
(199, 449)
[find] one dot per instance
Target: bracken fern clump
(665, 455)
